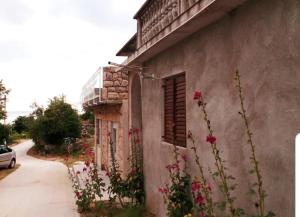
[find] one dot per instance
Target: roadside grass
(106, 209)
(5, 171)
(63, 158)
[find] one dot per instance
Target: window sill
(169, 145)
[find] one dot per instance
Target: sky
(52, 47)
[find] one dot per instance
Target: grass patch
(71, 159)
(105, 209)
(5, 171)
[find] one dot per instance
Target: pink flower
(199, 200)
(195, 186)
(172, 167)
(84, 169)
(163, 190)
(211, 139)
(77, 194)
(78, 172)
(87, 163)
(197, 95)
(107, 174)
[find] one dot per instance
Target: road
(38, 188)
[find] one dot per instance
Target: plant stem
(218, 160)
(253, 158)
(203, 180)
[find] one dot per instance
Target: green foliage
(23, 124)
(58, 121)
(3, 96)
(132, 186)
(87, 116)
(4, 133)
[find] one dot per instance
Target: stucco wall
(262, 40)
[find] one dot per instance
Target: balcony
(163, 23)
(156, 15)
(107, 86)
(91, 91)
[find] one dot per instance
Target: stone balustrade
(156, 15)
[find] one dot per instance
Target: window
(175, 110)
(114, 127)
(97, 131)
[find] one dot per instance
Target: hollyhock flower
(211, 139)
(87, 163)
(107, 174)
(195, 186)
(77, 194)
(197, 95)
(163, 190)
(84, 169)
(199, 200)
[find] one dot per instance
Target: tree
(3, 96)
(22, 124)
(58, 122)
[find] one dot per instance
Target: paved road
(37, 189)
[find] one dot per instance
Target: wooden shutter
(169, 110)
(180, 111)
(175, 111)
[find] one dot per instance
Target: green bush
(4, 133)
(59, 121)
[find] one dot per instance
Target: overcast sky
(52, 47)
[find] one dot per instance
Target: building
(106, 94)
(199, 44)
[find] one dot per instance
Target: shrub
(59, 121)
(4, 133)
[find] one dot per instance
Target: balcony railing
(156, 15)
(91, 92)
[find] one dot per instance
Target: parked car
(7, 157)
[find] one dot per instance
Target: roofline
(127, 43)
(141, 8)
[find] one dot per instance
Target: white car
(7, 157)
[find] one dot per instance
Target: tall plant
(221, 173)
(258, 185)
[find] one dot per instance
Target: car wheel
(12, 163)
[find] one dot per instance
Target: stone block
(113, 96)
(111, 89)
(108, 83)
(124, 76)
(124, 83)
(108, 76)
(117, 83)
(115, 76)
(124, 95)
(122, 89)
(104, 93)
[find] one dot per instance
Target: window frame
(177, 90)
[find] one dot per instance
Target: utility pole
(3, 102)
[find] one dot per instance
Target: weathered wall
(115, 84)
(262, 40)
(113, 108)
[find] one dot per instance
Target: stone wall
(262, 40)
(115, 84)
